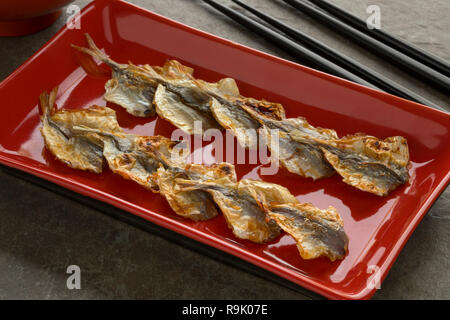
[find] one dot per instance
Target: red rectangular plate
(377, 227)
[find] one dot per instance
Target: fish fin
(47, 102)
(88, 64)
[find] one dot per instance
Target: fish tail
(47, 102)
(92, 50)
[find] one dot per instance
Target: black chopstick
(416, 53)
(420, 70)
(338, 58)
(296, 50)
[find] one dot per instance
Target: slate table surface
(41, 232)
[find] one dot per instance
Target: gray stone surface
(41, 233)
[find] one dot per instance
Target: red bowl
(20, 17)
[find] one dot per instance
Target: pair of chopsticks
(322, 57)
(417, 54)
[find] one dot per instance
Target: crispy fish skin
(171, 106)
(223, 171)
(253, 209)
(237, 121)
(126, 158)
(368, 163)
(155, 163)
(317, 232)
(271, 192)
(243, 213)
(135, 95)
(180, 98)
(130, 86)
(270, 110)
(195, 204)
(226, 107)
(170, 88)
(240, 205)
(299, 156)
(228, 114)
(84, 138)
(365, 162)
(78, 151)
(136, 157)
(301, 148)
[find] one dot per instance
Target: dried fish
(171, 88)
(215, 105)
(84, 138)
(365, 162)
(290, 142)
(155, 163)
(238, 202)
(317, 232)
(130, 86)
(227, 109)
(195, 204)
(180, 98)
(368, 163)
(83, 151)
(138, 157)
(257, 211)
(173, 107)
(254, 210)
